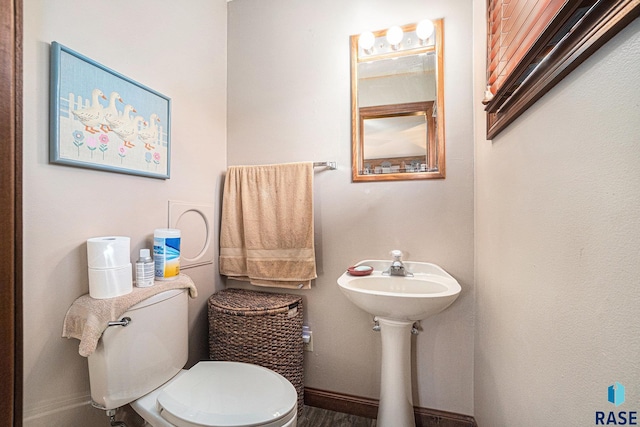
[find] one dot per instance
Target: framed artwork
(101, 119)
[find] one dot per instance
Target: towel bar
(328, 165)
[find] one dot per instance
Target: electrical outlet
(307, 339)
(308, 346)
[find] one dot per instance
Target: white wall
(557, 232)
(178, 51)
(289, 100)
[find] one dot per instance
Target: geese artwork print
(101, 119)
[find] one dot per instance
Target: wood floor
(316, 417)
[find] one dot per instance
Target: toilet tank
(130, 361)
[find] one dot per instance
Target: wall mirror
(397, 103)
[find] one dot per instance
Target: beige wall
(289, 100)
(178, 51)
(557, 232)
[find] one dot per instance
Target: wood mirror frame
(435, 145)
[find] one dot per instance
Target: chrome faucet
(397, 268)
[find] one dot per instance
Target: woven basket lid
(242, 302)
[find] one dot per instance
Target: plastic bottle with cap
(145, 269)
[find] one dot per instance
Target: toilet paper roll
(110, 282)
(108, 252)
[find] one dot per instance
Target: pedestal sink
(397, 302)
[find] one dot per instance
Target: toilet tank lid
(157, 298)
(228, 394)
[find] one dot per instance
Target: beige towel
(266, 234)
(87, 317)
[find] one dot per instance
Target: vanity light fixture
(396, 39)
(366, 42)
(424, 30)
(395, 36)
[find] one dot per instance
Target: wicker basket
(260, 328)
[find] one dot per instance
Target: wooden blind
(533, 44)
(513, 28)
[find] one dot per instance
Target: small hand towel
(87, 318)
(266, 234)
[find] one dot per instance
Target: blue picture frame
(100, 119)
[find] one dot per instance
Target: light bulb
(424, 29)
(394, 35)
(366, 40)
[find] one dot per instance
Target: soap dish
(360, 270)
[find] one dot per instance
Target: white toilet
(141, 364)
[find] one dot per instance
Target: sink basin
(428, 292)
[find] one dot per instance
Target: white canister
(166, 253)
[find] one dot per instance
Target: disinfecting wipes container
(166, 252)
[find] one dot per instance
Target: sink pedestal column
(396, 402)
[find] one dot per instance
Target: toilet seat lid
(227, 394)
